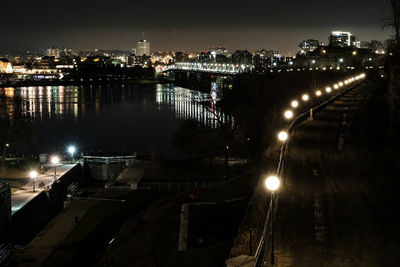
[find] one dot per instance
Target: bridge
(234, 69)
(218, 68)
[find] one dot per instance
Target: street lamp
(55, 160)
(288, 114)
(71, 151)
(295, 103)
(318, 93)
(305, 97)
(272, 183)
(282, 136)
(33, 175)
(328, 89)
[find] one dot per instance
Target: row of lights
(33, 174)
(289, 114)
(273, 182)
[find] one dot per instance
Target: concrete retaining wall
(5, 213)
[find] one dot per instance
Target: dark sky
(183, 25)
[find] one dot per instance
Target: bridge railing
(266, 236)
(113, 159)
(224, 68)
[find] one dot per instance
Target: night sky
(182, 25)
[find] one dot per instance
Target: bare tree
(393, 20)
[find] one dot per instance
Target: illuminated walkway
(22, 196)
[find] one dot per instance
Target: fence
(266, 236)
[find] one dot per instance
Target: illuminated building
(143, 48)
(343, 39)
(5, 66)
(307, 46)
(93, 62)
(218, 51)
(53, 52)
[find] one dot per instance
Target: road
(22, 196)
(340, 202)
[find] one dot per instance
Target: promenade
(25, 193)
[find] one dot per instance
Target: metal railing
(3, 187)
(266, 236)
(4, 252)
(114, 159)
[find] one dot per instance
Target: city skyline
(174, 27)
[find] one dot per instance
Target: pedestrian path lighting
(318, 93)
(33, 174)
(55, 160)
(340, 84)
(336, 86)
(71, 151)
(295, 103)
(305, 97)
(288, 114)
(272, 183)
(282, 136)
(328, 89)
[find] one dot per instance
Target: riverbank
(147, 222)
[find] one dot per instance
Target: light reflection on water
(106, 118)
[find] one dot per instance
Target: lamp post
(288, 114)
(272, 183)
(71, 151)
(282, 136)
(33, 175)
(55, 160)
(3, 159)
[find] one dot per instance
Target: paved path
(22, 196)
(340, 201)
(41, 247)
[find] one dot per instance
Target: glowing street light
(272, 183)
(33, 174)
(295, 103)
(288, 114)
(318, 93)
(340, 84)
(328, 89)
(336, 86)
(305, 97)
(282, 136)
(71, 151)
(55, 160)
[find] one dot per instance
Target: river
(104, 118)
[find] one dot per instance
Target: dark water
(110, 119)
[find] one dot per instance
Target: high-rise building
(344, 39)
(307, 46)
(143, 48)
